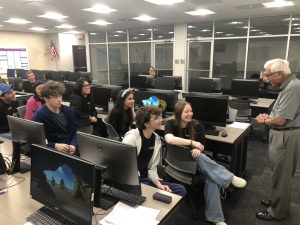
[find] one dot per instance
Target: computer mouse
(223, 133)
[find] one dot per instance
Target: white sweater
(133, 137)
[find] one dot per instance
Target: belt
(286, 128)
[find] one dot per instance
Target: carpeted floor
(241, 205)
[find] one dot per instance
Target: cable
(101, 214)
(9, 186)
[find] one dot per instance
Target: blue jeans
(215, 176)
(6, 135)
(176, 188)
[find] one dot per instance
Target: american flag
(52, 50)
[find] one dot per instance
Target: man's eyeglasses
(270, 74)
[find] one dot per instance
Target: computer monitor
(69, 90)
(24, 133)
(116, 160)
(166, 83)
(10, 73)
(201, 84)
(102, 93)
(138, 82)
(63, 183)
(210, 110)
(245, 89)
(86, 75)
(170, 96)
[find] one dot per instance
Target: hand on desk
(165, 188)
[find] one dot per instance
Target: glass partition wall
(236, 48)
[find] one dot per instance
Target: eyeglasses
(271, 74)
(86, 85)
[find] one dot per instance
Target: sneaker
(221, 223)
(238, 182)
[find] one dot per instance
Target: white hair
(276, 65)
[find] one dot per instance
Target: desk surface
(263, 103)
(16, 203)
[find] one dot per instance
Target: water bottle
(110, 104)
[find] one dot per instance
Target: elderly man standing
(284, 141)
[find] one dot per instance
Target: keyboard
(212, 132)
(129, 198)
(46, 216)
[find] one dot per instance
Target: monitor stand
(19, 166)
(102, 201)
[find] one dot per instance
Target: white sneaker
(238, 182)
(221, 223)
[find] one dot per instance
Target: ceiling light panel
(100, 23)
(200, 12)
(164, 2)
(38, 29)
(144, 18)
(65, 26)
(278, 4)
(102, 9)
(53, 16)
(17, 21)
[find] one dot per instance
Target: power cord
(22, 179)
(101, 214)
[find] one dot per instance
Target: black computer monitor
(69, 90)
(201, 84)
(102, 93)
(170, 96)
(63, 183)
(166, 83)
(10, 73)
(245, 89)
(116, 160)
(138, 82)
(86, 75)
(210, 110)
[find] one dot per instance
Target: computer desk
(235, 145)
(16, 204)
(263, 105)
(22, 97)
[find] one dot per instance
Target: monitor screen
(210, 110)
(63, 182)
(26, 131)
(166, 83)
(138, 82)
(201, 84)
(118, 159)
(102, 93)
(242, 88)
(170, 96)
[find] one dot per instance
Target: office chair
(243, 107)
(180, 165)
(21, 111)
(112, 133)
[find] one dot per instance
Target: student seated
(7, 107)
(34, 102)
(82, 103)
(121, 115)
(148, 143)
(59, 120)
(151, 71)
(29, 85)
(185, 131)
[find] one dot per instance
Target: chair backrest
(180, 163)
(21, 111)
(112, 133)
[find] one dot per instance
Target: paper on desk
(123, 214)
(239, 125)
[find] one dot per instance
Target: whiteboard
(13, 58)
